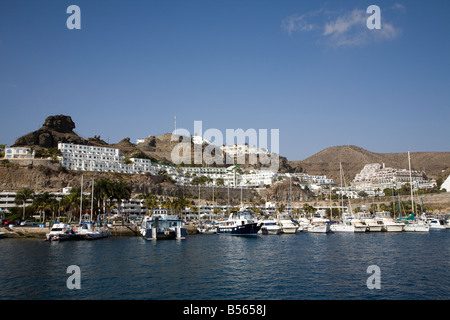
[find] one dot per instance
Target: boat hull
(270, 231)
(416, 228)
(249, 229)
(319, 229)
(394, 227)
(374, 228)
(342, 228)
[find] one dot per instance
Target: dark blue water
(206, 267)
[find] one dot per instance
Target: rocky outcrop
(55, 129)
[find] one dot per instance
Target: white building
(19, 153)
(101, 159)
(242, 149)
(376, 175)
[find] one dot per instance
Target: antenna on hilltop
(175, 123)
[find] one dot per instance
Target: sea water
(302, 266)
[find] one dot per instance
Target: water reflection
(302, 266)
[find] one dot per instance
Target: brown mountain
(353, 158)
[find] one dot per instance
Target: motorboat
(342, 227)
(207, 228)
(61, 232)
(303, 224)
(371, 224)
(389, 224)
(287, 225)
(162, 226)
(416, 226)
(270, 227)
(447, 224)
(239, 223)
(435, 224)
(319, 225)
(358, 224)
(87, 231)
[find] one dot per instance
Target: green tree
(45, 203)
(22, 196)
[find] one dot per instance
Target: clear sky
(311, 69)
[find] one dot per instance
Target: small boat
(416, 226)
(287, 225)
(162, 226)
(359, 225)
(87, 231)
(207, 228)
(447, 224)
(342, 227)
(319, 225)
(239, 223)
(303, 224)
(371, 224)
(270, 227)
(435, 224)
(61, 232)
(389, 225)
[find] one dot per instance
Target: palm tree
(120, 191)
(45, 202)
(150, 201)
(281, 208)
(71, 202)
(179, 204)
(104, 189)
(22, 196)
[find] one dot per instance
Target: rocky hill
(353, 158)
(55, 129)
(59, 128)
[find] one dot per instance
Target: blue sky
(311, 69)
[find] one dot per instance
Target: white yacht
(342, 227)
(319, 225)
(303, 224)
(359, 225)
(270, 227)
(447, 224)
(287, 225)
(372, 225)
(416, 226)
(61, 232)
(435, 224)
(389, 225)
(88, 231)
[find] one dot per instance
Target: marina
(207, 267)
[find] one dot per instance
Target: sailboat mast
(410, 182)
(342, 194)
(81, 198)
(289, 204)
(92, 198)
